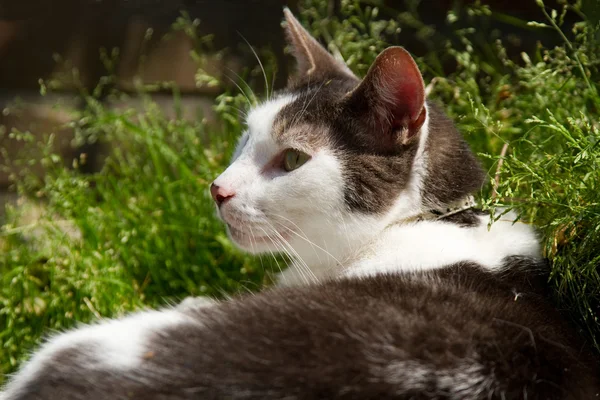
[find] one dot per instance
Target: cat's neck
(435, 244)
(420, 245)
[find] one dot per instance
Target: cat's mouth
(246, 236)
(254, 239)
(253, 236)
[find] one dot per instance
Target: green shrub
(142, 231)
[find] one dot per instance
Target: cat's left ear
(393, 93)
(313, 61)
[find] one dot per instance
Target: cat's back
(454, 333)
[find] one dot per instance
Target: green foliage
(544, 112)
(142, 232)
(139, 233)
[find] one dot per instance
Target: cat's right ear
(313, 61)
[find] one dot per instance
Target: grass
(141, 232)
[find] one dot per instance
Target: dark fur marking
(453, 171)
(466, 219)
(373, 175)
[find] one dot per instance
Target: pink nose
(219, 194)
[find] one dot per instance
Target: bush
(141, 232)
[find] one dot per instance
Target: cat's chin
(253, 242)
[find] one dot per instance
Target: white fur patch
(260, 119)
(258, 139)
(114, 345)
(436, 244)
(195, 303)
(467, 380)
(255, 147)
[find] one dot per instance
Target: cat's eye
(294, 159)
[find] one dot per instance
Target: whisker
(297, 256)
(306, 105)
(252, 239)
(259, 63)
(273, 82)
(254, 100)
(273, 254)
(345, 227)
(304, 237)
(281, 248)
(278, 241)
(241, 90)
(242, 112)
(252, 243)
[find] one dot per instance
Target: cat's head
(330, 161)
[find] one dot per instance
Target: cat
(398, 289)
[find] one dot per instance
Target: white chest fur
(425, 245)
(435, 244)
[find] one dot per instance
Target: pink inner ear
(399, 86)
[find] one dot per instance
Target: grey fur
(454, 333)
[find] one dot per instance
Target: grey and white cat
(398, 288)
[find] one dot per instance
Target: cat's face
(329, 162)
(326, 159)
(285, 179)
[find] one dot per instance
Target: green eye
(293, 159)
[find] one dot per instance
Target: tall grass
(141, 232)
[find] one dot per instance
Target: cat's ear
(313, 60)
(393, 93)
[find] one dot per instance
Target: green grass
(147, 230)
(142, 231)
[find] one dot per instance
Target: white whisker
(297, 256)
(305, 106)
(242, 91)
(304, 237)
(259, 63)
(273, 254)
